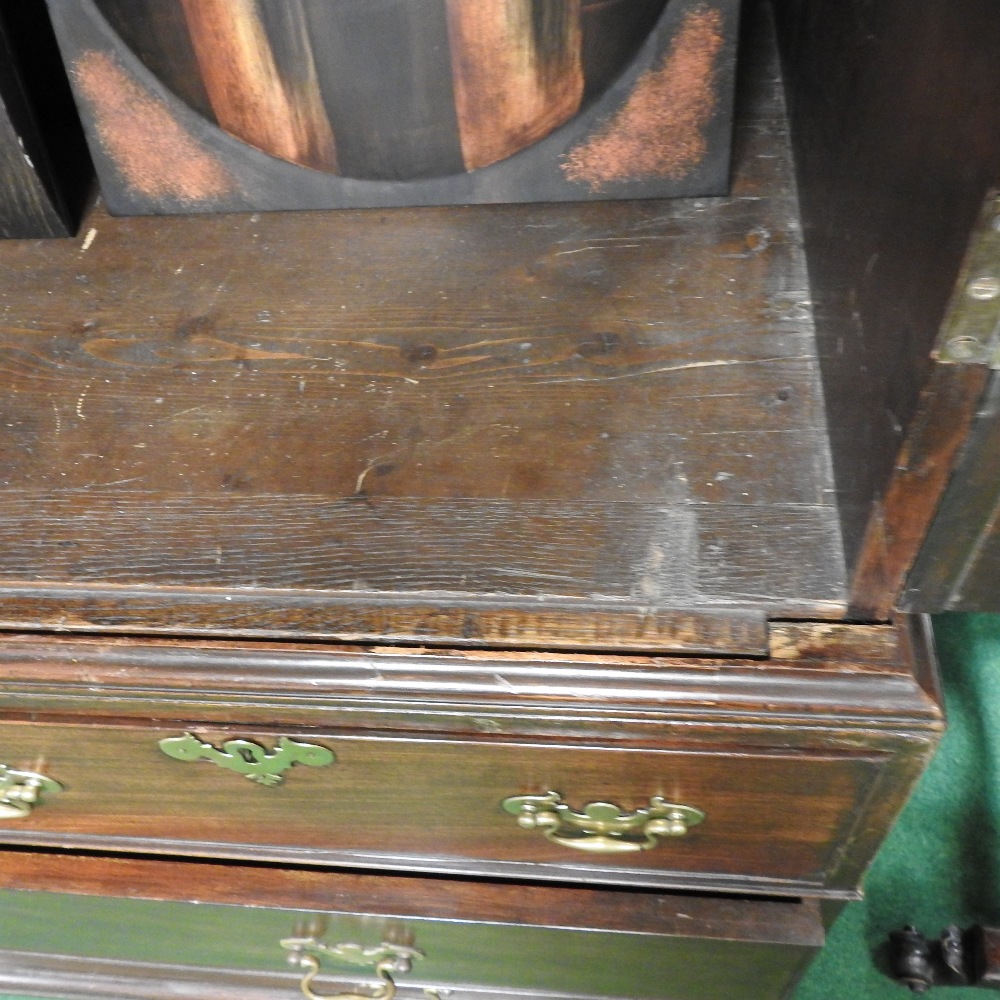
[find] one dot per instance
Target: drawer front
(567, 942)
(770, 819)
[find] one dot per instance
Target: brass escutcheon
(248, 758)
(602, 827)
(20, 791)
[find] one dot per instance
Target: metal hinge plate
(971, 330)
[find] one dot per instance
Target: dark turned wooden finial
(911, 958)
(955, 958)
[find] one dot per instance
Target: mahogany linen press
(503, 600)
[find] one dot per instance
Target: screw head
(963, 348)
(984, 288)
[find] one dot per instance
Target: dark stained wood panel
(959, 564)
(45, 172)
(638, 554)
(899, 521)
(763, 969)
(410, 94)
(892, 176)
(776, 821)
(608, 407)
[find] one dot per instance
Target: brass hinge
(971, 330)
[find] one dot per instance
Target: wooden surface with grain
(537, 498)
(872, 676)
(570, 408)
(774, 820)
(900, 518)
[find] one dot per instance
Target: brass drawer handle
(602, 827)
(387, 959)
(248, 758)
(20, 791)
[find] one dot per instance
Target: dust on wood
(156, 156)
(659, 132)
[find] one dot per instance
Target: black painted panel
(387, 128)
(44, 167)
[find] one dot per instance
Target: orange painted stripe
(514, 84)
(247, 92)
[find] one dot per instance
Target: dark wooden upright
(45, 171)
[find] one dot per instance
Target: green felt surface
(941, 863)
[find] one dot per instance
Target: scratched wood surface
(604, 405)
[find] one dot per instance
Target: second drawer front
(437, 805)
(180, 930)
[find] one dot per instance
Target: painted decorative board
(221, 105)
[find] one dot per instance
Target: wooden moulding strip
(394, 895)
(899, 523)
(275, 614)
(834, 675)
